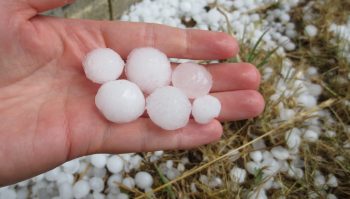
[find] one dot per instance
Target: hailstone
(205, 109)
(149, 68)
(102, 65)
(120, 101)
(143, 180)
(115, 164)
(169, 108)
(193, 79)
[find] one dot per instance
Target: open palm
(47, 111)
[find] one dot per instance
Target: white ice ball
(238, 174)
(65, 190)
(98, 160)
(169, 108)
(193, 79)
(143, 180)
(115, 164)
(311, 30)
(71, 167)
(149, 68)
(96, 184)
(129, 182)
(120, 101)
(102, 65)
(280, 153)
(81, 189)
(205, 109)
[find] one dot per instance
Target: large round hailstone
(205, 109)
(143, 180)
(169, 108)
(193, 79)
(148, 68)
(120, 101)
(81, 189)
(102, 65)
(115, 164)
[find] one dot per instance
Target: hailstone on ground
(193, 79)
(205, 109)
(149, 68)
(169, 108)
(120, 101)
(102, 65)
(143, 180)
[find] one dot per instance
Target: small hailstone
(319, 180)
(332, 181)
(22, 193)
(148, 68)
(8, 194)
(65, 190)
(280, 153)
(193, 188)
(102, 65)
(126, 156)
(293, 138)
(23, 183)
(135, 161)
(98, 160)
(169, 108)
(238, 174)
(158, 153)
(331, 196)
(185, 6)
(330, 134)
(65, 178)
(97, 195)
(172, 173)
(122, 196)
(252, 167)
(268, 182)
(257, 194)
(310, 136)
(204, 179)
(193, 79)
(295, 172)
(205, 109)
(181, 167)
(311, 30)
(120, 101)
(143, 180)
(256, 156)
(115, 164)
(113, 180)
(312, 71)
(71, 166)
(99, 172)
(53, 174)
(215, 182)
(96, 184)
(271, 166)
(169, 164)
(129, 182)
(81, 189)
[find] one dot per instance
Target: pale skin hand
(47, 110)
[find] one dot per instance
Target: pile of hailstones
(149, 72)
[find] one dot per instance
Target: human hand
(47, 110)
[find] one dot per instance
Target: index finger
(175, 42)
